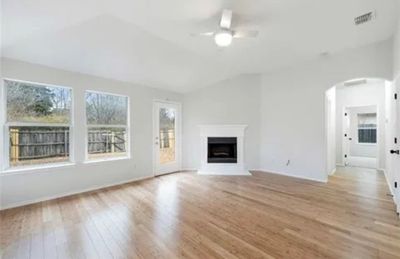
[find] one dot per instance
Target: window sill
(366, 144)
(93, 161)
(25, 169)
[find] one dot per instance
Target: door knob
(395, 152)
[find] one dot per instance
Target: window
(107, 125)
(38, 123)
(367, 128)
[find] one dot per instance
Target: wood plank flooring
(184, 215)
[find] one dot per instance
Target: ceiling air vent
(364, 18)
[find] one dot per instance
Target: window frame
(7, 125)
(126, 127)
(375, 128)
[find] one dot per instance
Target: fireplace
(222, 150)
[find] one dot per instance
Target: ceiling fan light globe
(223, 38)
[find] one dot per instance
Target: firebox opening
(222, 150)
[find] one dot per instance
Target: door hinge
(395, 184)
(395, 96)
(345, 156)
(395, 140)
(345, 114)
(345, 135)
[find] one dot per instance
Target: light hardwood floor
(191, 216)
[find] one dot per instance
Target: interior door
(167, 137)
(394, 152)
(346, 136)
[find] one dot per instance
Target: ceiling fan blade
(245, 34)
(209, 33)
(226, 19)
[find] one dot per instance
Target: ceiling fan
(224, 36)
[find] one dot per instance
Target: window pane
(106, 142)
(106, 109)
(367, 128)
(28, 102)
(167, 135)
(366, 120)
(38, 145)
(367, 136)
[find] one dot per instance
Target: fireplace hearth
(222, 150)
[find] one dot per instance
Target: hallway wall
(372, 93)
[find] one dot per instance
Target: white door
(346, 136)
(393, 140)
(167, 137)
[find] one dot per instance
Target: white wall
(234, 101)
(22, 187)
(370, 94)
(330, 106)
(292, 108)
(396, 49)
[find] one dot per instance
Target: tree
(106, 109)
(28, 102)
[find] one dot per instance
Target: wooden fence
(106, 141)
(33, 143)
(26, 144)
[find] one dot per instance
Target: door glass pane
(167, 135)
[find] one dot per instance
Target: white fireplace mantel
(222, 168)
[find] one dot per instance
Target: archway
(352, 136)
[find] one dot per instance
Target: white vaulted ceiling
(149, 42)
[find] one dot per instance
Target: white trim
(177, 164)
(107, 159)
(36, 124)
(127, 128)
(103, 92)
(93, 188)
(189, 169)
(106, 126)
(6, 125)
(3, 147)
(332, 172)
(291, 175)
(388, 183)
(36, 83)
(24, 169)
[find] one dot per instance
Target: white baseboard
(65, 194)
(189, 169)
(292, 175)
(333, 171)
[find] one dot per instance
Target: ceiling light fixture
(223, 38)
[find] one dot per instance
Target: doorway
(167, 137)
(360, 136)
(362, 128)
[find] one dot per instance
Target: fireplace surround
(222, 150)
